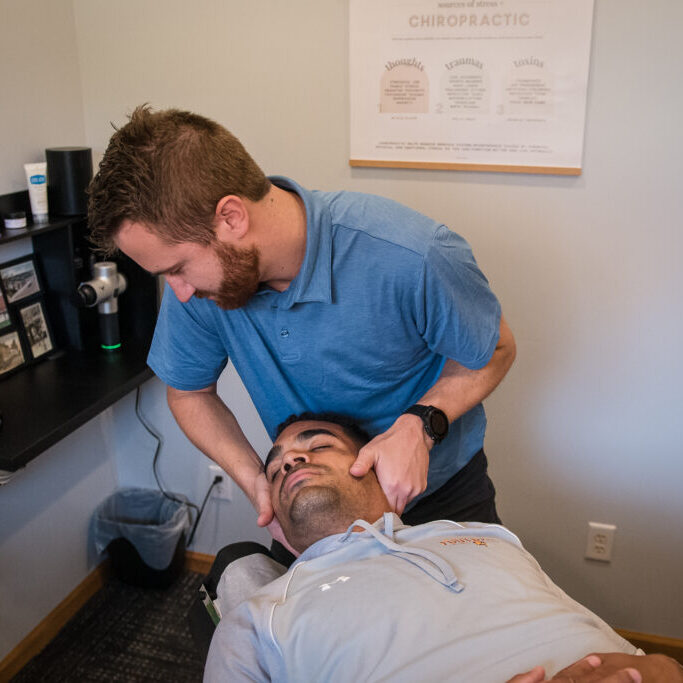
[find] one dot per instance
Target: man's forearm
(212, 428)
(458, 389)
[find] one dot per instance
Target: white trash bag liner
(148, 519)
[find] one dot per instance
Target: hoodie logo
(340, 579)
(454, 541)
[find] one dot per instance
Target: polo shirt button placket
(288, 352)
(285, 337)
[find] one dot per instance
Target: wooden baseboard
(651, 644)
(198, 562)
(48, 628)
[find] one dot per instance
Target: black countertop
(45, 402)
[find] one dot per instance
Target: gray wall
(46, 508)
(42, 103)
(587, 425)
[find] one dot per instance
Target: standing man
(323, 300)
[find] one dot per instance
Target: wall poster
(491, 85)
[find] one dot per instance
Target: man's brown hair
(168, 170)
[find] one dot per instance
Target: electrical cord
(157, 450)
(216, 480)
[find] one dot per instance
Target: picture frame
(5, 320)
(37, 332)
(20, 279)
(11, 352)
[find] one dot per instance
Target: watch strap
(425, 413)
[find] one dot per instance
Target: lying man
(366, 602)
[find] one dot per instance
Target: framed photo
(11, 355)
(19, 279)
(36, 328)
(4, 313)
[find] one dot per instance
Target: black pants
(468, 496)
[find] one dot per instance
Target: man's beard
(314, 502)
(316, 512)
(240, 276)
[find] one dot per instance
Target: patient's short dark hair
(346, 422)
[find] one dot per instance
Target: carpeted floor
(127, 634)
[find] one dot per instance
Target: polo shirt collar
(313, 282)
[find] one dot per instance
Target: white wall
(45, 510)
(45, 513)
(41, 85)
(587, 425)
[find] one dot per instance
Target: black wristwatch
(434, 420)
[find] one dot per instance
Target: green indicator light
(110, 348)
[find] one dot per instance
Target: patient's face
(312, 492)
(309, 453)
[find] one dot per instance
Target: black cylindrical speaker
(69, 171)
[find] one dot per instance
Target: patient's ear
(232, 219)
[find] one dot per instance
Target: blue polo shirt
(384, 295)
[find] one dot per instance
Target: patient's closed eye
(272, 470)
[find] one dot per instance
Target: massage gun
(103, 291)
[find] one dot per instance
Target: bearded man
(323, 301)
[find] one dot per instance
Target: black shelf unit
(42, 403)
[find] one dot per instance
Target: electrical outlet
(600, 541)
(222, 490)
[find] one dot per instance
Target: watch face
(439, 423)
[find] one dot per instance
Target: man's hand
(266, 516)
(612, 667)
(261, 500)
(400, 457)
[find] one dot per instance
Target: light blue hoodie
(436, 602)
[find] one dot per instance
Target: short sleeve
(457, 313)
(186, 352)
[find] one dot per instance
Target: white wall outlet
(223, 490)
(600, 541)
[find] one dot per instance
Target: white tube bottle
(36, 177)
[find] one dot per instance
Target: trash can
(143, 532)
